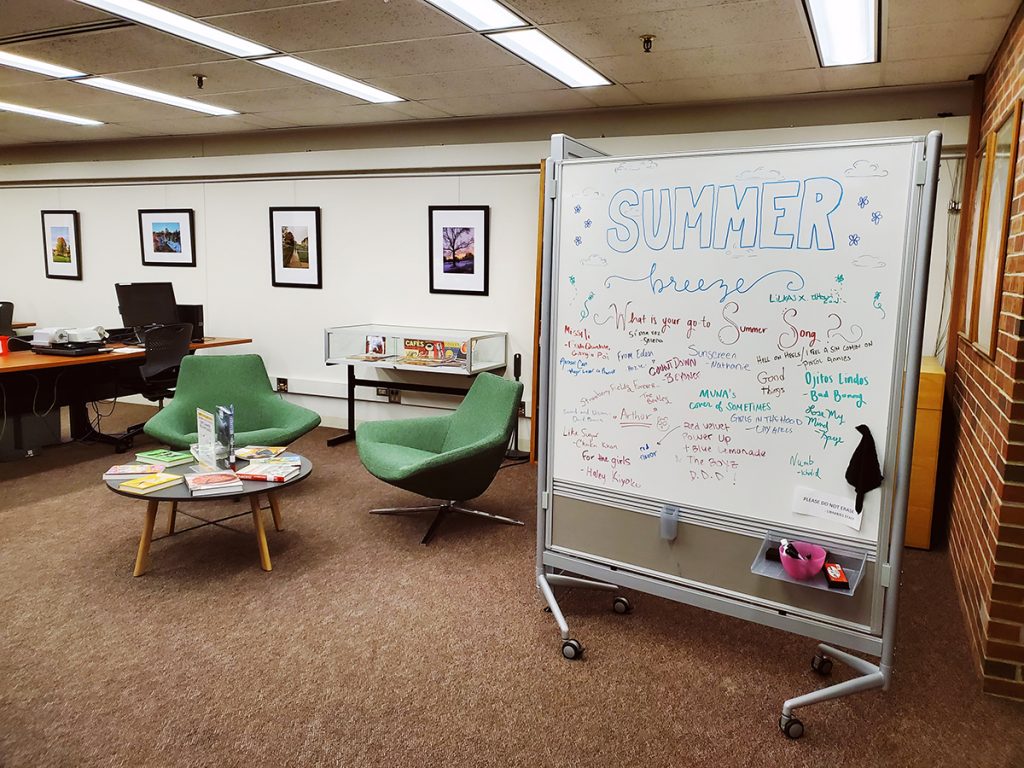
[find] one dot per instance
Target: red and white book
(127, 471)
(268, 473)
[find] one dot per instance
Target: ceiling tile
(221, 77)
(911, 13)
(359, 113)
(36, 129)
(749, 86)
(924, 41)
(415, 57)
(205, 9)
(512, 103)
(339, 24)
(849, 78)
(555, 11)
(608, 96)
(702, 27)
(117, 50)
(707, 62)
(948, 69)
(196, 125)
(36, 15)
(295, 98)
(472, 82)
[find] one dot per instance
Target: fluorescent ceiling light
(846, 31)
(34, 65)
(182, 26)
(146, 93)
(314, 74)
(543, 52)
(5, 107)
(481, 15)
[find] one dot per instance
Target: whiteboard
(722, 324)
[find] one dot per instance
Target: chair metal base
(442, 510)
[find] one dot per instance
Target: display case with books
(441, 350)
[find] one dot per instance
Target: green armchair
(452, 458)
(261, 416)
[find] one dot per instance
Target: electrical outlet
(382, 391)
(394, 396)
(282, 385)
(522, 410)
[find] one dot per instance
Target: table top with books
(168, 475)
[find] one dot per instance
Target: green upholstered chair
(262, 417)
(452, 458)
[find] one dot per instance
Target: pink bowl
(803, 569)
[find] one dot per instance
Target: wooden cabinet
(926, 454)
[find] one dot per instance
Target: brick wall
(986, 534)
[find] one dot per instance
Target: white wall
(374, 241)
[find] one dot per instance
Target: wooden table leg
(147, 537)
(171, 517)
(261, 534)
(275, 509)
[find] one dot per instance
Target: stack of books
(164, 456)
(270, 471)
(213, 483)
(149, 483)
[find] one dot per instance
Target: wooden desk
(27, 360)
(20, 326)
(34, 383)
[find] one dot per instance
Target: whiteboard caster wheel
(571, 649)
(791, 726)
(620, 605)
(821, 664)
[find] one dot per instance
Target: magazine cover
(432, 350)
(225, 430)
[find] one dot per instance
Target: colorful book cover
(225, 428)
(148, 483)
(127, 470)
(253, 452)
(423, 348)
(212, 480)
(376, 346)
(270, 473)
(164, 456)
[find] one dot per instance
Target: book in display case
(409, 348)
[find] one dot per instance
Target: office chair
(7, 318)
(166, 346)
(452, 458)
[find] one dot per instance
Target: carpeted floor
(364, 648)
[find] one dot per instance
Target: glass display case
(409, 348)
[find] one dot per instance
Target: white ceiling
(705, 50)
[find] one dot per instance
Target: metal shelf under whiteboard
(853, 563)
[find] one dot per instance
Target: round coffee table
(179, 493)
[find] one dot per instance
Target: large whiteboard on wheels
(724, 322)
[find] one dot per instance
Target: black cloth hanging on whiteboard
(864, 473)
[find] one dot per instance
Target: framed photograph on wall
(61, 245)
(167, 238)
(459, 252)
(995, 229)
(295, 248)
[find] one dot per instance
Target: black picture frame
(185, 218)
(52, 220)
(282, 275)
(446, 276)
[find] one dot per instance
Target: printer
(68, 341)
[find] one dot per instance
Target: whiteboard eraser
(669, 522)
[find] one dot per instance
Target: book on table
(284, 460)
(164, 456)
(150, 483)
(213, 483)
(254, 452)
(127, 471)
(268, 472)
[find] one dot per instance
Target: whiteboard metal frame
(554, 562)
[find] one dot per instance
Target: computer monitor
(145, 304)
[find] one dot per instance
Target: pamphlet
(206, 451)
(225, 428)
